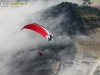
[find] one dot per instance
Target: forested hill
(77, 19)
(64, 17)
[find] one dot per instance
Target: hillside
(95, 4)
(84, 20)
(76, 18)
(76, 32)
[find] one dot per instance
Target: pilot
(40, 53)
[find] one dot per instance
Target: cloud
(12, 39)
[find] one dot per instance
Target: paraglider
(40, 53)
(39, 29)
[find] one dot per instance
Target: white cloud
(11, 38)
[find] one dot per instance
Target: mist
(12, 39)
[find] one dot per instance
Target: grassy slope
(91, 46)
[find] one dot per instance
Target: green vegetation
(90, 16)
(76, 18)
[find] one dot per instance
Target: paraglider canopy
(39, 29)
